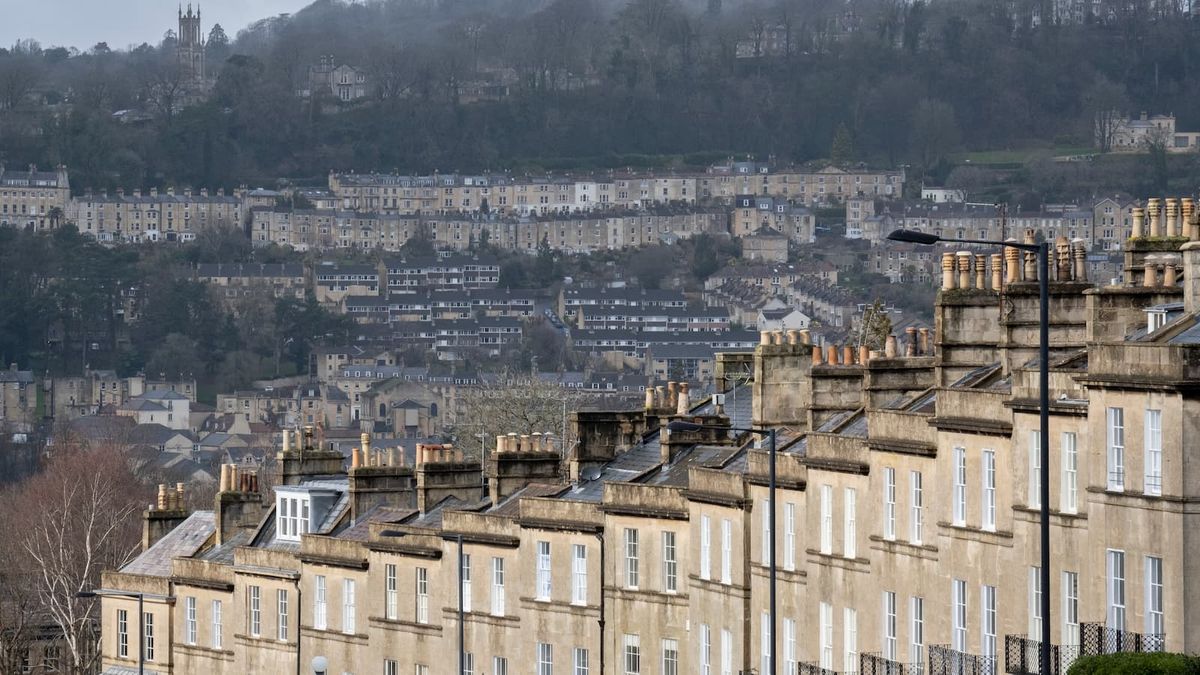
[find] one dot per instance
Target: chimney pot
(817, 355)
(889, 347)
(847, 355)
(864, 354)
(1139, 221)
(831, 355)
(948, 279)
(925, 346)
(764, 337)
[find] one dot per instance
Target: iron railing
(946, 661)
(1022, 656)
(876, 664)
(1097, 638)
(812, 668)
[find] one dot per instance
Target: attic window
(1155, 321)
(292, 514)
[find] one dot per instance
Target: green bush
(1140, 664)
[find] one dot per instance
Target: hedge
(1147, 663)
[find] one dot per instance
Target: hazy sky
(120, 23)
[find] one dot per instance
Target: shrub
(1152, 663)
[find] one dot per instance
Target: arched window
(383, 410)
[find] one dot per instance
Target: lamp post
(1042, 251)
(141, 597)
(682, 425)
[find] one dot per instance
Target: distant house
(783, 318)
(767, 245)
(343, 82)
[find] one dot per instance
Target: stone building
(33, 198)
(645, 549)
(152, 216)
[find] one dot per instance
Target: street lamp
(141, 597)
(683, 425)
(1042, 251)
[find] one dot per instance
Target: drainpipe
(600, 536)
(299, 623)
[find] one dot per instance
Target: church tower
(190, 49)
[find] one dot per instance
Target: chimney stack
(1139, 222)
(1152, 206)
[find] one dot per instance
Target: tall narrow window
(1070, 473)
(545, 658)
(633, 655)
(1153, 459)
(281, 606)
(766, 531)
(670, 657)
(1034, 496)
(726, 551)
(579, 582)
(789, 538)
(422, 610)
(468, 667)
(825, 627)
(850, 640)
(960, 487)
(1116, 589)
(789, 646)
(704, 658)
(390, 593)
(849, 524)
(320, 613)
(987, 628)
(958, 615)
(705, 548)
(631, 558)
(916, 633)
(1154, 596)
(498, 587)
(579, 661)
(499, 665)
(422, 669)
(1035, 602)
(1070, 608)
(217, 628)
(889, 626)
(826, 519)
(466, 582)
(255, 611)
(189, 619)
(348, 613)
(148, 635)
(889, 503)
(726, 652)
(989, 490)
(916, 520)
(670, 564)
(764, 646)
(122, 633)
(1116, 449)
(543, 570)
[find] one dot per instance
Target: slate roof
(141, 405)
(184, 541)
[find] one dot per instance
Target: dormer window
(292, 516)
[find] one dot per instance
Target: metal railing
(1022, 656)
(1097, 638)
(876, 664)
(812, 668)
(946, 661)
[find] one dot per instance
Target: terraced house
(906, 513)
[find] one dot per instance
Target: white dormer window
(292, 513)
(1156, 320)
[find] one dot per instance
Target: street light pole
(1042, 251)
(141, 619)
(683, 425)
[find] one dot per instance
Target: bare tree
(19, 74)
(514, 403)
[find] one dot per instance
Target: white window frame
(916, 520)
(825, 635)
(545, 658)
(631, 558)
(958, 615)
(255, 601)
(726, 652)
(499, 665)
(670, 657)
(916, 632)
(670, 562)
(790, 657)
(148, 635)
(960, 487)
(189, 620)
(988, 505)
(849, 640)
(826, 519)
(890, 629)
(1035, 601)
(889, 503)
(988, 621)
(789, 538)
(1115, 597)
(705, 548)
(579, 584)
(704, 657)
(764, 642)
(421, 595)
(1155, 621)
(349, 623)
(1153, 455)
(849, 523)
(579, 661)
(466, 582)
(766, 532)
(391, 600)
(122, 633)
(217, 627)
(544, 583)
(281, 614)
(1034, 497)
(320, 606)
(726, 551)
(498, 599)
(1070, 607)
(631, 654)
(1115, 418)
(1069, 497)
